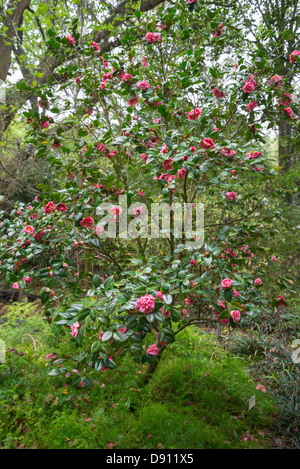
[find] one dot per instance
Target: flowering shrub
(143, 125)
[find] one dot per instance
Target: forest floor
(198, 397)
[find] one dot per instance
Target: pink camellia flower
(87, 222)
(115, 210)
(71, 40)
(137, 211)
(48, 208)
(144, 157)
(236, 293)
(45, 125)
(153, 37)
(27, 279)
(95, 46)
(236, 315)
(251, 106)
(159, 294)
(122, 330)
(166, 314)
(217, 93)
(101, 147)
(226, 283)
(293, 55)
(207, 144)
(288, 112)
(233, 172)
(43, 103)
(229, 152)
(193, 149)
(168, 164)
(257, 281)
(274, 258)
(188, 301)
(74, 329)
(143, 85)
(61, 207)
(249, 87)
(16, 286)
(133, 101)
(145, 304)
(126, 77)
(99, 230)
(260, 387)
(286, 100)
(194, 114)
(152, 350)
(230, 196)
(164, 148)
(184, 312)
(181, 173)
(254, 154)
(29, 229)
(144, 62)
(193, 262)
(281, 299)
(219, 30)
(276, 80)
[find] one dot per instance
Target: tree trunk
(152, 367)
(288, 152)
(285, 151)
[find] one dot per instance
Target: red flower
(29, 229)
(288, 112)
(288, 99)
(293, 55)
(49, 208)
(168, 164)
(133, 101)
(207, 144)
(248, 87)
(217, 93)
(61, 207)
(87, 222)
(71, 40)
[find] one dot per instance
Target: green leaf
(169, 143)
(97, 281)
(108, 282)
(228, 294)
(87, 381)
(106, 336)
(168, 299)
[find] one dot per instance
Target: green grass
(198, 397)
